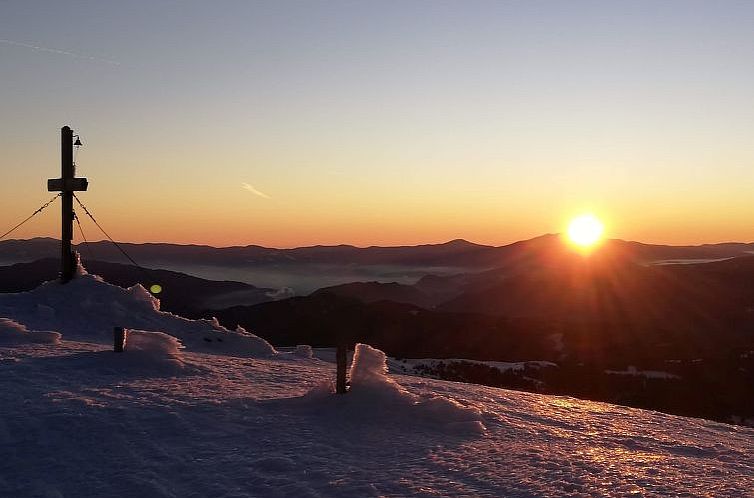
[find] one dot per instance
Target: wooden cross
(67, 184)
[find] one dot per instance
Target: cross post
(67, 184)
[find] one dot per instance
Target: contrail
(59, 52)
(254, 191)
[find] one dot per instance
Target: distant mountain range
(456, 253)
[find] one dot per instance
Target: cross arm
(67, 184)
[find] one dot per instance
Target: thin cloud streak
(254, 191)
(58, 51)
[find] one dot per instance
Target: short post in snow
(120, 336)
(67, 184)
(341, 359)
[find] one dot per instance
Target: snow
(369, 368)
(373, 392)
(152, 350)
(249, 427)
(502, 366)
(649, 374)
(87, 308)
(160, 420)
(12, 332)
(304, 351)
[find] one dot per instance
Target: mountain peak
(460, 243)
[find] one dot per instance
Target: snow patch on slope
(649, 374)
(418, 364)
(12, 332)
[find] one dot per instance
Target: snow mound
(87, 308)
(304, 351)
(153, 344)
(369, 368)
(12, 332)
(150, 351)
(375, 397)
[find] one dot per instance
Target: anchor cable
(123, 251)
(30, 217)
(86, 242)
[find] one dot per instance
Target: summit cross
(67, 184)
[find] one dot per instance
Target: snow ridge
(87, 308)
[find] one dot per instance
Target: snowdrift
(87, 308)
(152, 351)
(12, 332)
(304, 351)
(377, 398)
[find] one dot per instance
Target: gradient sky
(299, 123)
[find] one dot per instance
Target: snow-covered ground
(77, 420)
(649, 374)
(417, 364)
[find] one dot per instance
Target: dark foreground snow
(77, 420)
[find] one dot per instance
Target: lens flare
(155, 289)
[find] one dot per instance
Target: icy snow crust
(87, 308)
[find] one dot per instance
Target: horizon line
(451, 241)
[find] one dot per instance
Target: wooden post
(120, 336)
(66, 185)
(66, 161)
(341, 358)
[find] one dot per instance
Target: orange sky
(290, 124)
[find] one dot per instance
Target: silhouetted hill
(324, 318)
(586, 311)
(369, 292)
(583, 286)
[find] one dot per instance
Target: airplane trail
(39, 48)
(254, 191)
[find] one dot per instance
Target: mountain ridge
(455, 253)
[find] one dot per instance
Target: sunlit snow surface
(77, 423)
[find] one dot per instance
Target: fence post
(341, 358)
(119, 339)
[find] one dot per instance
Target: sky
(382, 123)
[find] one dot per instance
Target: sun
(585, 230)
